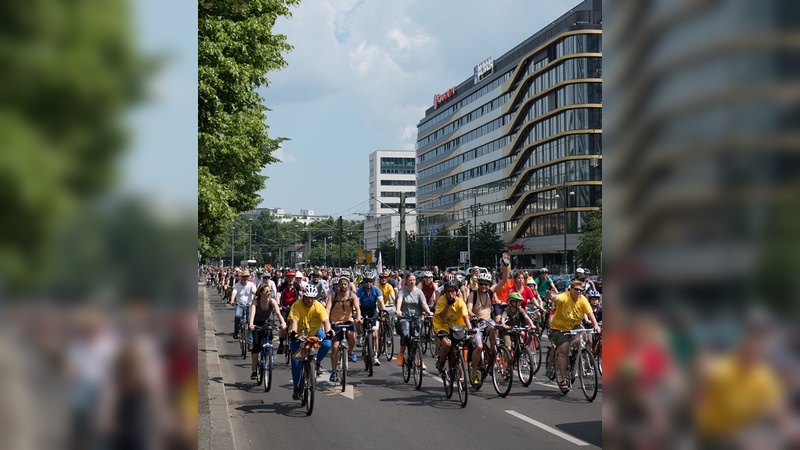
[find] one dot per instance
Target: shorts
(257, 335)
(558, 337)
(479, 327)
(337, 336)
(498, 308)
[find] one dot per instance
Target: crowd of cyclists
(316, 304)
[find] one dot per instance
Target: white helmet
(579, 270)
(485, 276)
(369, 275)
(310, 291)
(427, 273)
(299, 274)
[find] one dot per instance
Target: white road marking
(547, 428)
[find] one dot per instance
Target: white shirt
(244, 294)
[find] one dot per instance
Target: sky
(360, 77)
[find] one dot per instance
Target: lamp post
(233, 231)
(377, 239)
(565, 201)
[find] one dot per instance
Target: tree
(70, 75)
(590, 246)
(236, 49)
(486, 245)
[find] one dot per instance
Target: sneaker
(377, 362)
(280, 348)
(400, 359)
(253, 375)
(334, 378)
(296, 394)
(353, 357)
(476, 378)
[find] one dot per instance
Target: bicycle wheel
(343, 366)
(260, 369)
(417, 365)
(311, 384)
(535, 348)
(423, 338)
(381, 340)
(502, 371)
(551, 365)
(447, 377)
(587, 372)
(406, 367)
(243, 341)
(268, 371)
(461, 380)
(370, 353)
(388, 339)
(524, 366)
(432, 342)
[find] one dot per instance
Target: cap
(299, 274)
(244, 273)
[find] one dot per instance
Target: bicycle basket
(308, 345)
(457, 333)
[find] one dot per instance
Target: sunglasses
(577, 289)
(484, 284)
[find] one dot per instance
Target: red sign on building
(513, 247)
(438, 99)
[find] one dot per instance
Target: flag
(379, 265)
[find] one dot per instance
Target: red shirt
(288, 295)
(526, 293)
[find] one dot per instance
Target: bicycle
(502, 366)
(520, 354)
(243, 330)
(412, 361)
(286, 348)
(265, 363)
(586, 370)
(597, 349)
(344, 351)
(485, 361)
(308, 376)
(427, 338)
(368, 350)
(385, 336)
(453, 369)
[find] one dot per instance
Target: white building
(390, 173)
(305, 217)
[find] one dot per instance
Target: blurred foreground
(702, 204)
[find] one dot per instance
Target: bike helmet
(486, 276)
(369, 276)
(345, 274)
(594, 293)
(428, 274)
(530, 281)
(314, 274)
(544, 269)
(290, 274)
(450, 284)
(514, 296)
(334, 281)
(310, 291)
(299, 274)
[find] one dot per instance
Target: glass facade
(398, 165)
(544, 134)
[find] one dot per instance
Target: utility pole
(403, 231)
(340, 241)
(233, 231)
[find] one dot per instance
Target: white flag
(379, 265)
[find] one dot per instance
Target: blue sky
(360, 77)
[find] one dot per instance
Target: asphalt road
(384, 411)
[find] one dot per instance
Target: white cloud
(283, 156)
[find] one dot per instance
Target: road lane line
(547, 428)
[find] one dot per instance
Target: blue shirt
(368, 299)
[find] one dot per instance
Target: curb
(219, 418)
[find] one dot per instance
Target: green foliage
(236, 50)
(70, 71)
(590, 246)
(486, 245)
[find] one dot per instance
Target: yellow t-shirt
(309, 319)
(387, 291)
(569, 313)
(734, 398)
(454, 317)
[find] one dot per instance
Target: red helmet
(290, 273)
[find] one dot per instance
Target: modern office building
(390, 173)
(305, 217)
(518, 143)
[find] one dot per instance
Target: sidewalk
(215, 431)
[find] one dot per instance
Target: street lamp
(565, 201)
(233, 231)
(377, 237)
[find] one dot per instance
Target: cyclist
(450, 311)
(544, 283)
(289, 290)
(309, 316)
(242, 296)
(388, 291)
(594, 302)
(480, 309)
(428, 287)
(588, 284)
(514, 315)
(343, 306)
(534, 298)
(569, 309)
(370, 299)
(260, 311)
(321, 285)
(411, 302)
